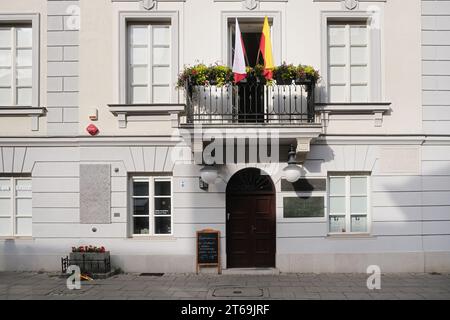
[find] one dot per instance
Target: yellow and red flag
(265, 47)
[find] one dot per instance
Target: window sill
(123, 111)
(152, 238)
(13, 238)
(352, 236)
(377, 109)
(26, 111)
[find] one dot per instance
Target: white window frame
(375, 88)
(348, 214)
(151, 196)
(154, 17)
(13, 197)
(33, 20)
(150, 63)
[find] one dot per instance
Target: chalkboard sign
(208, 249)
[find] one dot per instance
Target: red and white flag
(240, 73)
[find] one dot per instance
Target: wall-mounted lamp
(208, 175)
(292, 171)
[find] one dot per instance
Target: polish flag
(239, 59)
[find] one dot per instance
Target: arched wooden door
(251, 220)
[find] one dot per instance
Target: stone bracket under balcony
(298, 136)
(376, 110)
(124, 111)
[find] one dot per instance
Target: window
(348, 62)
(16, 65)
(149, 61)
(349, 204)
(151, 206)
(15, 206)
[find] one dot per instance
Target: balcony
(251, 103)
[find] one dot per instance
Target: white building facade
(372, 141)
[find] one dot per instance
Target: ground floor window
(349, 203)
(151, 206)
(15, 206)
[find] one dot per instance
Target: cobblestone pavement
(48, 286)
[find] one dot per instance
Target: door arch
(250, 220)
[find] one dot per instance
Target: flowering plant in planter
(288, 73)
(202, 75)
(89, 249)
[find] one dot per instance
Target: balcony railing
(251, 103)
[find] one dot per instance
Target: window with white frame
(15, 206)
(16, 65)
(348, 62)
(151, 206)
(349, 204)
(149, 63)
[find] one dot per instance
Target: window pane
(359, 55)
(358, 185)
(139, 35)
(24, 226)
(5, 188)
(141, 225)
(161, 95)
(359, 94)
(24, 77)
(358, 35)
(140, 207)
(5, 77)
(140, 95)
(359, 224)
(5, 38)
(24, 96)
(24, 57)
(162, 188)
(359, 75)
(336, 35)
(337, 224)
(23, 188)
(358, 204)
(23, 207)
(161, 75)
(161, 35)
(162, 225)
(139, 56)
(5, 226)
(140, 188)
(338, 75)
(338, 55)
(337, 186)
(161, 56)
(5, 96)
(139, 75)
(24, 37)
(5, 58)
(5, 207)
(162, 206)
(338, 93)
(337, 204)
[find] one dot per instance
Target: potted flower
(91, 259)
(306, 74)
(285, 74)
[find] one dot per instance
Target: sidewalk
(48, 286)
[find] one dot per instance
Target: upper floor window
(348, 62)
(15, 206)
(16, 65)
(349, 203)
(149, 63)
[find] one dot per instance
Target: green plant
(285, 73)
(219, 75)
(308, 73)
(195, 75)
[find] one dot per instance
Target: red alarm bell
(92, 129)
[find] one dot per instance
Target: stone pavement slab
(52, 286)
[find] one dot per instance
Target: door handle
(228, 216)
